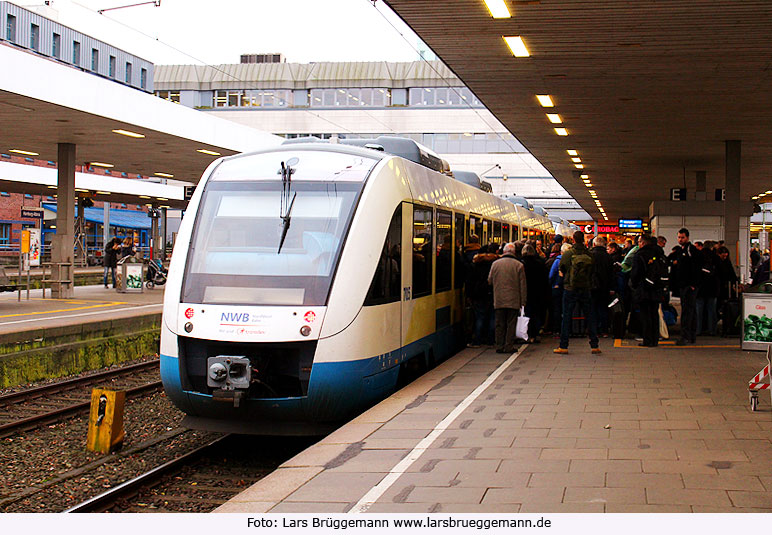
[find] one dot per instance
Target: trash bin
(131, 275)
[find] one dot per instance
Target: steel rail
(109, 498)
(53, 388)
(48, 417)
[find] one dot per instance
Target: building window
(143, 78)
(76, 53)
(10, 28)
(34, 36)
(422, 251)
(5, 233)
(5, 194)
(128, 72)
(355, 97)
(111, 67)
(95, 60)
(442, 96)
(27, 195)
(56, 45)
(171, 96)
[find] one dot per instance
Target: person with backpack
(576, 265)
(649, 281)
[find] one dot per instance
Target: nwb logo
(235, 317)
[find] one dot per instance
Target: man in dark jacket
(110, 259)
(602, 282)
(537, 283)
(687, 272)
(576, 267)
(707, 293)
(647, 289)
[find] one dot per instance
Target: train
(311, 280)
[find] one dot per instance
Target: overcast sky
(218, 31)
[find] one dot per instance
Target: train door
(418, 318)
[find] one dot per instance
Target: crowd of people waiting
(571, 287)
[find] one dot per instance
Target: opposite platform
(630, 430)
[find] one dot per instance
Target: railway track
(198, 481)
(46, 404)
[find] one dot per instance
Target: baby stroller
(156, 274)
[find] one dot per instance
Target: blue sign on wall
(630, 223)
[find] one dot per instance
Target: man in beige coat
(507, 277)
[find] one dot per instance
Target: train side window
(444, 251)
(515, 233)
(505, 232)
(387, 280)
(475, 227)
(496, 232)
(422, 251)
(487, 233)
(459, 246)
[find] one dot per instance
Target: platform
(91, 303)
(630, 430)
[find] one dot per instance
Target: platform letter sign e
(677, 194)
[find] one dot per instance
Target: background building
(422, 100)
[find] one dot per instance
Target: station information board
(630, 224)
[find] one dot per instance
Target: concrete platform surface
(630, 430)
(91, 303)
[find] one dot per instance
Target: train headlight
(218, 371)
(305, 330)
(188, 327)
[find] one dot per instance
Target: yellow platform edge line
(60, 310)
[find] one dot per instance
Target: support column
(154, 240)
(732, 199)
(64, 241)
(106, 235)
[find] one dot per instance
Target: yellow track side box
(105, 423)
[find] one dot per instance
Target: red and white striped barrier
(756, 384)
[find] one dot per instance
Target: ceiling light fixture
(165, 175)
(128, 133)
(25, 152)
(517, 46)
(579, 166)
(144, 197)
(561, 131)
(584, 175)
(103, 192)
(99, 164)
(210, 152)
(554, 118)
(498, 9)
(545, 101)
(576, 160)
(572, 152)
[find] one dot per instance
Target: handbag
(662, 325)
(521, 331)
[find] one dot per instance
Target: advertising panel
(34, 247)
(756, 321)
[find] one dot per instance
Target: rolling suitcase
(730, 313)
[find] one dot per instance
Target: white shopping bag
(663, 333)
(521, 331)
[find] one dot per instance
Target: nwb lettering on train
(234, 317)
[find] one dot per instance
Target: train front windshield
(238, 255)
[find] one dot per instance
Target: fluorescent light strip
(554, 118)
(517, 46)
(128, 133)
(25, 152)
(579, 166)
(545, 101)
(572, 152)
(165, 175)
(100, 164)
(561, 131)
(498, 9)
(576, 160)
(210, 152)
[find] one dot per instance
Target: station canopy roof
(649, 91)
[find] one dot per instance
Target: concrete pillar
(106, 235)
(64, 240)
(732, 200)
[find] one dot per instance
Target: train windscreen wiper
(286, 188)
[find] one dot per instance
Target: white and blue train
(312, 280)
